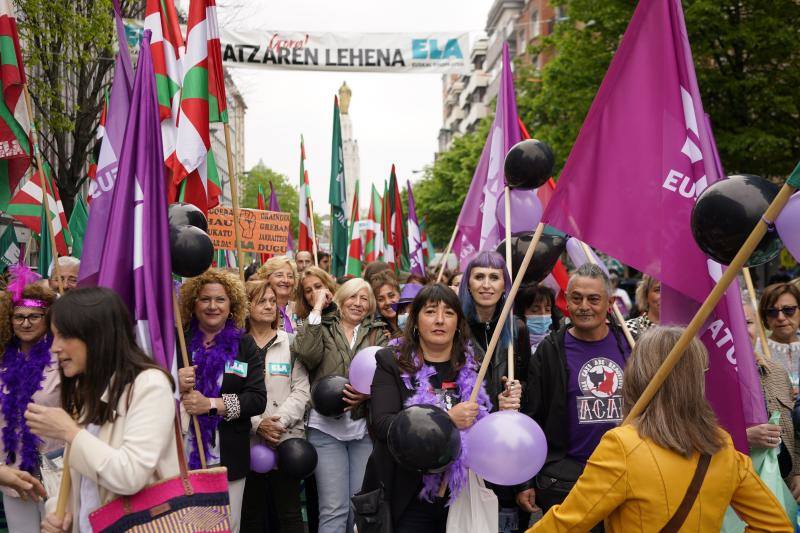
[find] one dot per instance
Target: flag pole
(509, 303)
(617, 313)
(235, 200)
(313, 231)
(507, 199)
(447, 254)
(45, 188)
(711, 301)
(185, 357)
(751, 290)
(64, 488)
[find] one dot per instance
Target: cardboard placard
(263, 232)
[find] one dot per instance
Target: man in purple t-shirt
(574, 386)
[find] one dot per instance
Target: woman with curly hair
(224, 387)
(281, 274)
(28, 374)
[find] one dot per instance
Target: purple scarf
(287, 321)
(424, 394)
(211, 362)
(22, 376)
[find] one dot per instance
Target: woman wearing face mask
(28, 373)
(336, 329)
(537, 304)
(288, 393)
(778, 309)
(281, 274)
(387, 294)
(648, 302)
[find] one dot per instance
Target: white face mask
(401, 321)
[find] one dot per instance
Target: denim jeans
(339, 473)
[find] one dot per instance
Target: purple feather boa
(424, 394)
(211, 362)
(22, 376)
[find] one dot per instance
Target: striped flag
(355, 248)
(388, 243)
(373, 235)
(395, 217)
(26, 206)
(305, 209)
(15, 147)
(217, 101)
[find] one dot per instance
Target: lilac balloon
(578, 257)
(506, 448)
(526, 210)
(362, 369)
(262, 458)
(788, 226)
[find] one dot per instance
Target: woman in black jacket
(434, 364)
(224, 387)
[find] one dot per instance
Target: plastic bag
(475, 510)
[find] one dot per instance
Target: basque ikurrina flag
(135, 258)
(305, 233)
(397, 225)
(26, 206)
(646, 145)
(373, 247)
(355, 248)
(15, 147)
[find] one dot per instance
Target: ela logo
(429, 49)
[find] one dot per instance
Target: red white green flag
(373, 248)
(15, 146)
(305, 232)
(354, 250)
(396, 220)
(26, 206)
(217, 101)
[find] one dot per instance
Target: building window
(535, 31)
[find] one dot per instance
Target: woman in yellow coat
(638, 475)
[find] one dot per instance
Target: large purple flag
(135, 260)
(478, 227)
(273, 206)
(644, 154)
(414, 239)
(101, 187)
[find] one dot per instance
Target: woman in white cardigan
(123, 439)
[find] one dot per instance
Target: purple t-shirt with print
(594, 391)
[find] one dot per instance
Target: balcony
(455, 115)
(477, 112)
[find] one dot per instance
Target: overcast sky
(396, 117)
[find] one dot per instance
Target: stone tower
(352, 162)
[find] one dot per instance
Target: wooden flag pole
(447, 254)
(711, 302)
(617, 313)
(751, 290)
(64, 489)
(185, 358)
(45, 191)
(507, 195)
(313, 232)
(237, 232)
(506, 310)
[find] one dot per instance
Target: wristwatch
(213, 410)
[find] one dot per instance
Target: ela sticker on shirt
(279, 369)
(237, 367)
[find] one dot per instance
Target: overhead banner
(425, 52)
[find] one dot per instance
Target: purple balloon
(788, 226)
(362, 369)
(262, 458)
(506, 448)
(526, 210)
(578, 257)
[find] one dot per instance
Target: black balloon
(545, 255)
(327, 396)
(181, 214)
(191, 250)
(529, 164)
(725, 214)
(297, 458)
(423, 438)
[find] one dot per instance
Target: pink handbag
(192, 502)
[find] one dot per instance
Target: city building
(352, 160)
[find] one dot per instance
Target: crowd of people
(72, 375)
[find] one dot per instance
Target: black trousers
(271, 503)
(423, 517)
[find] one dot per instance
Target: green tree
(69, 50)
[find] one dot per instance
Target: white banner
(353, 52)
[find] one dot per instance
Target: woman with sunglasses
(778, 312)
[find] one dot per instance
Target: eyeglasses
(787, 310)
(33, 318)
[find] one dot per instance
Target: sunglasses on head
(787, 310)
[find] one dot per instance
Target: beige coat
(287, 395)
(132, 452)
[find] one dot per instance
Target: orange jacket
(636, 486)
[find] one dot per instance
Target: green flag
(340, 239)
(9, 248)
(77, 226)
(45, 250)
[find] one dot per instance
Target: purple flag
(414, 239)
(135, 260)
(644, 153)
(100, 189)
(273, 206)
(478, 227)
